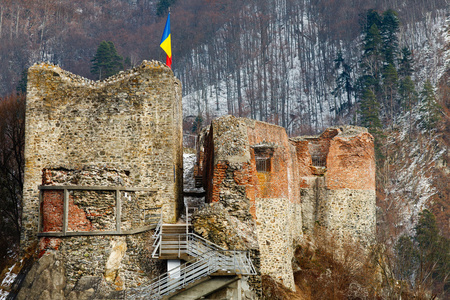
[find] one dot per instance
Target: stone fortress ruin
(102, 158)
(104, 165)
(287, 187)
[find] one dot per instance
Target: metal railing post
(161, 233)
(187, 222)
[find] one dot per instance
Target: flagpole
(166, 43)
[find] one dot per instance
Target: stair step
(172, 248)
(173, 237)
(174, 227)
(176, 235)
(174, 230)
(182, 256)
(173, 242)
(181, 228)
(170, 252)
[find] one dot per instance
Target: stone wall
(266, 200)
(277, 227)
(95, 210)
(340, 194)
(255, 174)
(125, 131)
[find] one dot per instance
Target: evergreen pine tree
(344, 81)
(372, 18)
(408, 98)
(390, 84)
(408, 94)
(430, 109)
(371, 64)
(389, 30)
(407, 258)
(370, 111)
(379, 59)
(405, 63)
(372, 42)
(106, 61)
(424, 259)
(433, 249)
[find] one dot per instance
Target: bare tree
(12, 141)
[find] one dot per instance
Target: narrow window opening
(318, 161)
(263, 164)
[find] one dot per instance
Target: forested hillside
(275, 60)
(301, 64)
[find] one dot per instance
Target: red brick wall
(276, 184)
(281, 182)
(351, 163)
(52, 211)
(77, 218)
(219, 174)
(303, 161)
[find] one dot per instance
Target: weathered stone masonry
(101, 156)
(285, 187)
(124, 132)
(265, 200)
(338, 186)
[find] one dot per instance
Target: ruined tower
(102, 159)
(286, 187)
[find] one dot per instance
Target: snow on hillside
(291, 83)
(8, 279)
(408, 187)
(427, 41)
(308, 84)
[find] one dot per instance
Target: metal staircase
(173, 241)
(170, 242)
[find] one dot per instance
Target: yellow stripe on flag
(167, 46)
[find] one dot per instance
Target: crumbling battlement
(337, 180)
(249, 169)
(122, 134)
(289, 186)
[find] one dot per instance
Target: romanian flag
(165, 44)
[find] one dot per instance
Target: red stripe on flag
(169, 61)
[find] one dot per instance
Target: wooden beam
(95, 188)
(65, 211)
(40, 212)
(118, 211)
(96, 233)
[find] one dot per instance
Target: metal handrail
(157, 239)
(194, 244)
(230, 261)
(209, 258)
